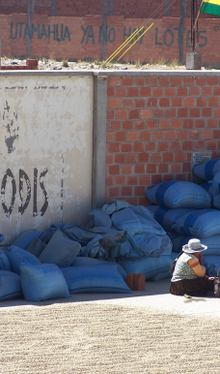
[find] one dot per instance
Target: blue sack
(150, 267)
(60, 250)
(25, 239)
(96, 278)
(216, 201)
(216, 181)
(179, 194)
(210, 189)
(207, 170)
(167, 217)
(4, 261)
(199, 223)
(10, 285)
(212, 264)
(17, 256)
(43, 282)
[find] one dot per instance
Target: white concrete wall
(46, 124)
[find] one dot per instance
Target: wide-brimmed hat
(194, 245)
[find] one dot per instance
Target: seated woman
(188, 272)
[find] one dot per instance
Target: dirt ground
(53, 64)
(94, 338)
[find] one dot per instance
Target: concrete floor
(156, 296)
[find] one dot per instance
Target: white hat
(194, 245)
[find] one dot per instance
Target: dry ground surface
(98, 338)
(53, 64)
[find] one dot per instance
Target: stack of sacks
(209, 172)
(40, 271)
(185, 211)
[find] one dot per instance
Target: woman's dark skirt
(194, 287)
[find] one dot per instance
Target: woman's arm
(198, 269)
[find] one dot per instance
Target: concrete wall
(71, 141)
(46, 149)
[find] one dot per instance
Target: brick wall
(155, 121)
(82, 38)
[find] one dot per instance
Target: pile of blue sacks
(186, 210)
(65, 259)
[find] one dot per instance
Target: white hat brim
(186, 249)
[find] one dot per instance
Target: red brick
(163, 168)
(187, 123)
(115, 125)
(119, 158)
(213, 101)
(127, 81)
(114, 169)
(110, 91)
(163, 146)
(151, 168)
(212, 123)
(110, 136)
(206, 112)
(168, 157)
(144, 179)
(119, 180)
(210, 145)
(114, 147)
(139, 169)
(199, 123)
(164, 102)
(155, 157)
(145, 136)
(143, 157)
(158, 135)
(120, 91)
(207, 91)
(212, 81)
(109, 159)
(126, 147)
(164, 124)
(170, 91)
(133, 136)
(176, 124)
(201, 101)
(146, 113)
(194, 134)
(175, 146)
(139, 190)
(152, 81)
(157, 92)
(164, 81)
(152, 124)
(176, 81)
(109, 181)
(127, 125)
(195, 91)
(150, 146)
(138, 147)
(194, 112)
(134, 113)
(170, 135)
(176, 101)
(114, 192)
(182, 91)
(201, 81)
(132, 92)
(156, 179)
(175, 167)
(158, 113)
(127, 103)
(180, 156)
(115, 81)
(182, 134)
(187, 146)
(140, 81)
(126, 191)
(145, 91)
(121, 114)
(140, 103)
(199, 145)
(120, 136)
(152, 102)
(114, 103)
(139, 125)
(188, 81)
(131, 158)
(132, 180)
(189, 102)
(206, 134)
